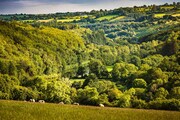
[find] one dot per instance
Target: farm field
(15, 110)
(118, 18)
(175, 15)
(71, 19)
(67, 20)
(159, 15)
(108, 17)
(48, 20)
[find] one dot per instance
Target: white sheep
(75, 103)
(41, 101)
(32, 100)
(62, 103)
(101, 105)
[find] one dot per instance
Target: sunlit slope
(37, 111)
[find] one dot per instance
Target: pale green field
(118, 18)
(167, 7)
(108, 17)
(48, 20)
(61, 20)
(159, 15)
(67, 20)
(71, 19)
(176, 15)
(14, 110)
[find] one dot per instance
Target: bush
(88, 96)
(124, 101)
(58, 91)
(4, 95)
(23, 93)
(140, 92)
(7, 84)
(171, 104)
(175, 92)
(138, 103)
(103, 99)
(139, 83)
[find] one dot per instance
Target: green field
(108, 17)
(71, 19)
(109, 68)
(48, 20)
(176, 15)
(118, 18)
(167, 7)
(14, 110)
(67, 20)
(159, 15)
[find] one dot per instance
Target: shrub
(140, 92)
(139, 83)
(23, 93)
(171, 104)
(124, 101)
(88, 96)
(4, 95)
(175, 92)
(138, 103)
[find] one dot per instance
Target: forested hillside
(127, 57)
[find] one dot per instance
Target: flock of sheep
(42, 101)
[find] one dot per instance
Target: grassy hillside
(13, 110)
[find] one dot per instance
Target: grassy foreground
(14, 110)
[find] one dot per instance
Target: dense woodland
(126, 57)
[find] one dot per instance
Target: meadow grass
(15, 110)
(108, 17)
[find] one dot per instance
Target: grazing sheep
(62, 103)
(101, 105)
(41, 101)
(32, 100)
(75, 103)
